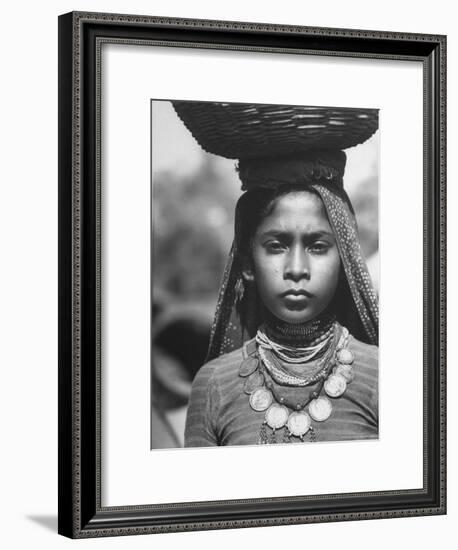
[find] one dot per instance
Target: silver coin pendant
(254, 381)
(320, 409)
(345, 356)
(277, 416)
(248, 366)
(335, 385)
(261, 399)
(299, 423)
(346, 371)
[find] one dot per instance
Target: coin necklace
(335, 372)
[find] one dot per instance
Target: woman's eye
(319, 247)
(274, 246)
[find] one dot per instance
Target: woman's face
(296, 263)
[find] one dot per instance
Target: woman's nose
(297, 266)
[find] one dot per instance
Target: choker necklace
(295, 354)
(296, 335)
(267, 382)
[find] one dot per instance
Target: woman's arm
(202, 413)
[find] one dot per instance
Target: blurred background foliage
(192, 231)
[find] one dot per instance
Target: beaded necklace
(267, 381)
(276, 362)
(291, 354)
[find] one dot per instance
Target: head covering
(299, 165)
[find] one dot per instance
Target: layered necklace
(282, 362)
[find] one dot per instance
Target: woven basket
(241, 130)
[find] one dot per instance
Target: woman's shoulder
(227, 364)
(365, 355)
(362, 348)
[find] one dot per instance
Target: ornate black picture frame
(81, 513)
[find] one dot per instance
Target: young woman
(293, 354)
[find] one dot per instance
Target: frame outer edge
(443, 270)
(66, 414)
(77, 128)
(70, 200)
(256, 27)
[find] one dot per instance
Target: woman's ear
(248, 274)
(247, 268)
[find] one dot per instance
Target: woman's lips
(296, 299)
(297, 294)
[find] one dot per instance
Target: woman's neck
(300, 334)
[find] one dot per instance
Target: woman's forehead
(298, 210)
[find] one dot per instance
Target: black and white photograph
(264, 274)
(251, 275)
(226, 239)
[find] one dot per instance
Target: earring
(239, 289)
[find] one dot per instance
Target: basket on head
(247, 130)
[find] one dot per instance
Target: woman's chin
(296, 317)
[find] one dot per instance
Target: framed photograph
(252, 318)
